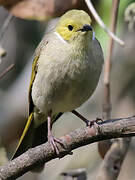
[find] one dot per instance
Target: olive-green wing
(32, 137)
(42, 44)
(27, 139)
(33, 75)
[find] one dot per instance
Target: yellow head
(74, 24)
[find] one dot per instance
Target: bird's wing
(42, 44)
(32, 136)
(98, 53)
(29, 132)
(33, 75)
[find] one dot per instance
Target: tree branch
(111, 166)
(108, 62)
(5, 25)
(10, 67)
(101, 23)
(34, 157)
(2, 32)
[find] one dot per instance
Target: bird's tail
(25, 141)
(31, 137)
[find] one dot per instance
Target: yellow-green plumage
(26, 138)
(65, 73)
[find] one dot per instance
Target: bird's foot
(93, 122)
(88, 123)
(52, 141)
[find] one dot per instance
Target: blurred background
(20, 40)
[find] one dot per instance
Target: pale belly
(62, 91)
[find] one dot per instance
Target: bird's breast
(62, 86)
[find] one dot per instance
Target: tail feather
(25, 141)
(40, 135)
(32, 136)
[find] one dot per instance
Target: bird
(65, 72)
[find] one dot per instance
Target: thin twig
(107, 67)
(101, 23)
(6, 71)
(113, 160)
(111, 165)
(39, 155)
(5, 25)
(2, 32)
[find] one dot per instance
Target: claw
(88, 123)
(94, 122)
(52, 141)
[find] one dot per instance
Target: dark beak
(86, 27)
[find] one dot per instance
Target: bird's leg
(81, 117)
(51, 138)
(88, 123)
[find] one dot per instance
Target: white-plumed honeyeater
(66, 68)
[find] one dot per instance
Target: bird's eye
(70, 27)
